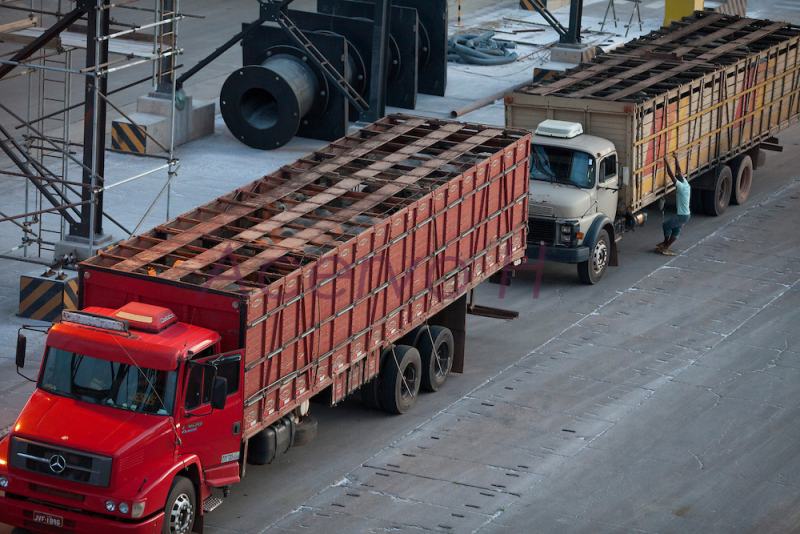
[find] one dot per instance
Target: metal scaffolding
(61, 157)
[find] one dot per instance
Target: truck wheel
(591, 271)
(400, 380)
(436, 349)
(179, 513)
(715, 201)
(370, 394)
(411, 339)
(758, 157)
(743, 180)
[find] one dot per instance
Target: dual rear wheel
(731, 185)
(421, 361)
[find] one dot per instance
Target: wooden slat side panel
(368, 292)
(711, 121)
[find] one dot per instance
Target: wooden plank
(67, 39)
(254, 264)
(18, 25)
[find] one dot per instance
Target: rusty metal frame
(687, 50)
(368, 173)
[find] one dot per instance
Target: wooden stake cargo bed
(708, 88)
(313, 270)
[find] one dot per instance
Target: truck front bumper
(558, 254)
(21, 513)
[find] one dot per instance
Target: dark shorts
(672, 226)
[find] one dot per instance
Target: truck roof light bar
(94, 320)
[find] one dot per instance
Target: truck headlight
(111, 505)
(566, 233)
(123, 508)
(3, 482)
(137, 510)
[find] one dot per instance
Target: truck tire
(436, 348)
(305, 431)
(758, 157)
(411, 339)
(743, 180)
(370, 394)
(591, 271)
(400, 380)
(716, 200)
(179, 512)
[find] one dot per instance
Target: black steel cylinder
(262, 105)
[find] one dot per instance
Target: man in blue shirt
(673, 225)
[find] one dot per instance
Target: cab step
(211, 504)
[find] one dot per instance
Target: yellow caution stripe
(127, 137)
(43, 299)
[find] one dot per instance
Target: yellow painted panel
(677, 9)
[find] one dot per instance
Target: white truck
(712, 89)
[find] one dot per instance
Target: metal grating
(667, 58)
(255, 235)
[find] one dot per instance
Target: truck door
(608, 186)
(214, 435)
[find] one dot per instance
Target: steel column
(94, 123)
(380, 46)
(573, 35)
(166, 67)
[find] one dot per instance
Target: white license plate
(48, 519)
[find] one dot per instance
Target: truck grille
(59, 462)
(541, 230)
(538, 209)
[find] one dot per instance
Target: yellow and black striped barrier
(127, 137)
(43, 297)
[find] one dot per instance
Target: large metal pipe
(262, 105)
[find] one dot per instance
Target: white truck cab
(574, 190)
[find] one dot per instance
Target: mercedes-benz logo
(57, 464)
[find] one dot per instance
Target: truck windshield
(563, 166)
(108, 383)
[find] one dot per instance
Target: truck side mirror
(22, 345)
(219, 391)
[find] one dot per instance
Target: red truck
(199, 344)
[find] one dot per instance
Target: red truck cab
(125, 401)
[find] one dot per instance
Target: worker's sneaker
(668, 252)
